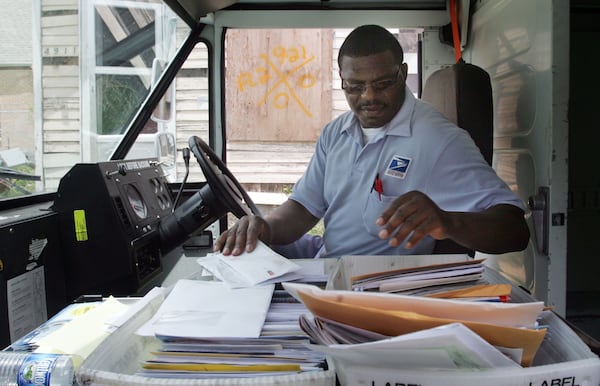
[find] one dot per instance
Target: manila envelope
(474, 291)
(357, 311)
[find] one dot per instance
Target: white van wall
(524, 47)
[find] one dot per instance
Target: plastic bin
(117, 359)
(562, 360)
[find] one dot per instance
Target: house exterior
(71, 103)
(16, 77)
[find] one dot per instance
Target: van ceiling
(191, 11)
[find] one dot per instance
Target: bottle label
(35, 370)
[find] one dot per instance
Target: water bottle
(26, 368)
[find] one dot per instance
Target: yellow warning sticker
(80, 225)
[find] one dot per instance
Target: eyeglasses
(377, 86)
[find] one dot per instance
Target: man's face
(374, 87)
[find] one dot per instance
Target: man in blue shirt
(390, 176)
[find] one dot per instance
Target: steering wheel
(223, 184)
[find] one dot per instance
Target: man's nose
(369, 92)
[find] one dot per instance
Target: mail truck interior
(133, 132)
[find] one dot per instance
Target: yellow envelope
(474, 291)
(220, 368)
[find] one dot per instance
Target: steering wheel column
(221, 194)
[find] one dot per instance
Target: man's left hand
(412, 212)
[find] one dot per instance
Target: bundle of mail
(433, 332)
(422, 279)
(209, 330)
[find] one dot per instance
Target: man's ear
(404, 69)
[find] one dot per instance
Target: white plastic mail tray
(117, 359)
(562, 360)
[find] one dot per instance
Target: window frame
(90, 138)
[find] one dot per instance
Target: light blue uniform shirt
(418, 149)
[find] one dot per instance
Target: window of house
(132, 45)
(126, 42)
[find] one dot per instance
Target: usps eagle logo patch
(398, 166)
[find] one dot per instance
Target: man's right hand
(243, 236)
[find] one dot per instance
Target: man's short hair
(369, 40)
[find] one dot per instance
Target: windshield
(72, 75)
(279, 94)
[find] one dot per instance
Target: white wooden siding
(60, 94)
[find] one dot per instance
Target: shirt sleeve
(461, 180)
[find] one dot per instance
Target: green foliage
(118, 99)
(23, 187)
(318, 229)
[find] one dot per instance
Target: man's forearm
(288, 222)
(499, 229)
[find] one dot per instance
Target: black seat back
(463, 93)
